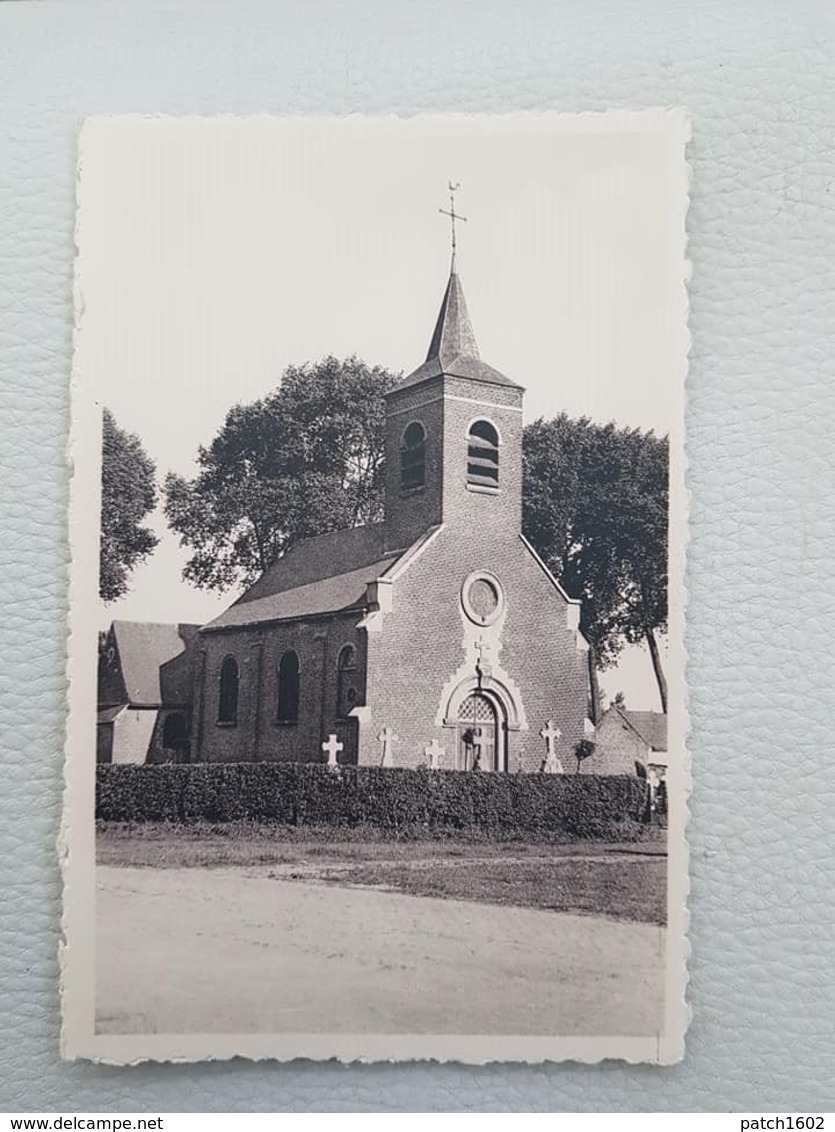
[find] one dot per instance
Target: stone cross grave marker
(550, 734)
(332, 748)
(388, 738)
(433, 752)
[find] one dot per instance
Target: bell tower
(453, 435)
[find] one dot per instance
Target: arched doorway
(480, 743)
(175, 736)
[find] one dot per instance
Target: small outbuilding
(145, 680)
(630, 742)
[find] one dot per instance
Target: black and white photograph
(377, 738)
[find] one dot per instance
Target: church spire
(453, 335)
(453, 351)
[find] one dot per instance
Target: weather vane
(452, 214)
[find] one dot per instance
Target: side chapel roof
(318, 575)
(155, 660)
(453, 350)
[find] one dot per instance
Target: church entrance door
(479, 738)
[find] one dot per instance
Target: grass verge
(629, 888)
(626, 880)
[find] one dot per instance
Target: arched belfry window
(288, 688)
(346, 681)
(413, 456)
(483, 455)
(227, 708)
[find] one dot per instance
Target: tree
(128, 494)
(595, 509)
(302, 461)
(646, 504)
(583, 750)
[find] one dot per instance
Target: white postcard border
(77, 836)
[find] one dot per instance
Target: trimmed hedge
(393, 799)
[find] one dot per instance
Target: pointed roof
(453, 333)
(453, 348)
(650, 726)
(155, 661)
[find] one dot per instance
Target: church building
(436, 637)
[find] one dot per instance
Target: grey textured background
(759, 80)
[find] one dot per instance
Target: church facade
(436, 637)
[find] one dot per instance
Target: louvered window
(413, 456)
(483, 455)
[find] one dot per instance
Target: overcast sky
(215, 252)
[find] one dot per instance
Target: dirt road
(235, 950)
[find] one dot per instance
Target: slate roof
(453, 350)
(109, 714)
(149, 659)
(318, 575)
(323, 556)
(651, 726)
(328, 595)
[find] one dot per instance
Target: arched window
(288, 688)
(413, 456)
(346, 681)
(227, 708)
(483, 455)
(175, 732)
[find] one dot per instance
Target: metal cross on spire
(452, 214)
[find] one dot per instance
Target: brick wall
(446, 406)
(111, 684)
(420, 651)
(104, 742)
(617, 748)
(410, 513)
(157, 751)
(465, 402)
(258, 734)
